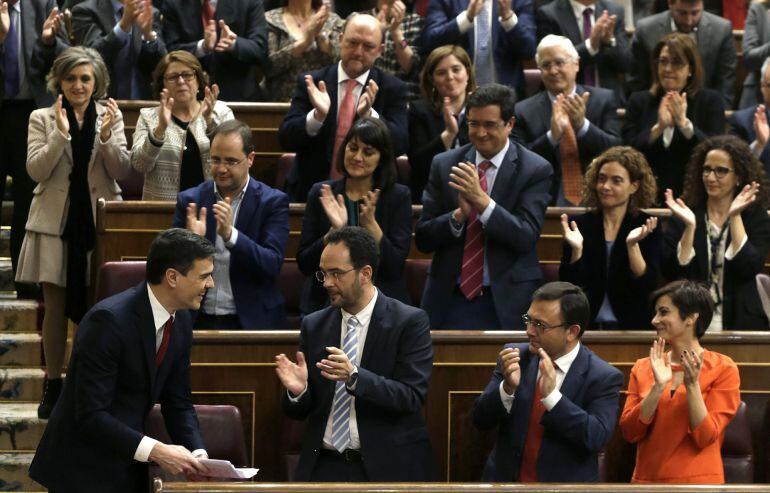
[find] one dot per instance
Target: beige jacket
(49, 163)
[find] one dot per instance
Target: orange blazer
(668, 451)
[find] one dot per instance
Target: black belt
(348, 455)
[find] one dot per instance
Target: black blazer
(425, 127)
(628, 295)
(392, 385)
(314, 154)
(112, 383)
(393, 214)
(235, 71)
(742, 125)
(742, 309)
(706, 112)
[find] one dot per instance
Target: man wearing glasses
(751, 124)
(361, 376)
(248, 223)
(483, 208)
(554, 401)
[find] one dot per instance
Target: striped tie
(472, 271)
(342, 400)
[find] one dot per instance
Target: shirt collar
(565, 361)
(239, 196)
(364, 316)
(675, 28)
(342, 76)
(17, 7)
(578, 7)
(159, 314)
(497, 159)
(552, 96)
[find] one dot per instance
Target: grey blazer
(756, 48)
(715, 44)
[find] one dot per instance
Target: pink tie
(207, 13)
(472, 271)
(344, 122)
(161, 354)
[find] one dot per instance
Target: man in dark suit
(126, 33)
(320, 114)
(712, 34)
(555, 402)
(248, 222)
(131, 351)
(361, 376)
(598, 31)
(482, 212)
(750, 124)
(543, 121)
(30, 38)
(230, 41)
(499, 35)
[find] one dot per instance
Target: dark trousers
(335, 469)
(14, 118)
(205, 321)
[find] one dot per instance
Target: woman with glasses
(720, 232)
(680, 401)
(612, 252)
(668, 121)
(365, 195)
(171, 144)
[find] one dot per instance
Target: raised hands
(603, 30)
(679, 209)
(51, 26)
(677, 106)
(144, 19)
(665, 119)
(366, 100)
(638, 234)
(5, 21)
(210, 36)
(109, 118)
(319, 98)
(451, 127)
(226, 38)
(131, 9)
(223, 213)
(210, 95)
(334, 207)
(547, 378)
(745, 198)
(572, 236)
(691, 364)
(316, 23)
(509, 364)
(336, 366)
(62, 122)
(194, 223)
(474, 7)
(368, 209)
(164, 114)
(465, 180)
(504, 9)
(660, 362)
(761, 128)
(396, 13)
(292, 375)
(559, 118)
(575, 107)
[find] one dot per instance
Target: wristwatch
(351, 383)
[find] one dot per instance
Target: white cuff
(199, 50)
(689, 257)
(551, 400)
(549, 136)
(687, 129)
(730, 254)
(506, 398)
(312, 126)
(142, 453)
(755, 149)
(484, 217)
(200, 453)
(233, 238)
(668, 136)
(584, 129)
(373, 113)
(463, 23)
(296, 399)
(510, 23)
(591, 50)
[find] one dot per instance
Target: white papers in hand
(225, 469)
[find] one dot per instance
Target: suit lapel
(374, 334)
(543, 116)
(146, 324)
(28, 34)
(501, 189)
(248, 205)
(572, 30)
(106, 15)
(172, 352)
(207, 199)
(573, 381)
(333, 338)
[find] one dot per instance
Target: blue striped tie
(342, 400)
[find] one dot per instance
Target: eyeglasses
(720, 171)
(321, 275)
(537, 324)
(229, 162)
(488, 126)
(173, 78)
(559, 63)
(670, 62)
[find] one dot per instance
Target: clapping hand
(465, 179)
(194, 223)
(366, 100)
(210, 95)
(292, 375)
(226, 38)
(677, 105)
(368, 208)
(679, 209)
(62, 122)
(659, 361)
(575, 107)
(571, 233)
(509, 364)
(559, 118)
(144, 19)
(665, 119)
(319, 98)
(474, 7)
(210, 36)
(761, 128)
(336, 366)
(691, 364)
(334, 207)
(109, 118)
(745, 198)
(638, 234)
(547, 378)
(51, 26)
(504, 9)
(223, 213)
(5, 21)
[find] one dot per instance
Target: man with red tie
(554, 401)
(483, 208)
(131, 351)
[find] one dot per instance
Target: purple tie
(588, 69)
(11, 59)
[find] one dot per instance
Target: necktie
(589, 78)
(482, 58)
(472, 271)
(569, 158)
(345, 118)
(161, 353)
(11, 58)
(528, 470)
(342, 400)
(207, 12)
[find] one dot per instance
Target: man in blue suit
(483, 208)
(131, 351)
(248, 222)
(554, 401)
(361, 375)
(751, 124)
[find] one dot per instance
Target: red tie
(344, 122)
(571, 176)
(472, 271)
(528, 470)
(207, 13)
(164, 342)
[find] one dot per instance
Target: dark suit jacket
(628, 295)
(511, 48)
(742, 125)
(93, 22)
(521, 193)
(314, 154)
(612, 62)
(257, 256)
(235, 71)
(392, 384)
(393, 214)
(576, 429)
(715, 45)
(112, 383)
(533, 121)
(742, 309)
(705, 111)
(756, 48)
(425, 127)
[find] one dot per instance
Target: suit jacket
(511, 233)
(49, 163)
(628, 294)
(742, 125)
(741, 309)
(393, 214)
(576, 429)
(611, 62)
(511, 48)
(314, 154)
(392, 385)
(425, 127)
(716, 46)
(93, 22)
(705, 111)
(257, 256)
(756, 48)
(235, 71)
(112, 383)
(533, 121)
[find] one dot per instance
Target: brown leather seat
(737, 449)
(416, 273)
(132, 185)
(291, 282)
(284, 165)
(403, 171)
(550, 272)
(532, 81)
(115, 277)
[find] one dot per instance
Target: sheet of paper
(225, 469)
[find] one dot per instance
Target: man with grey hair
(566, 123)
(750, 124)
